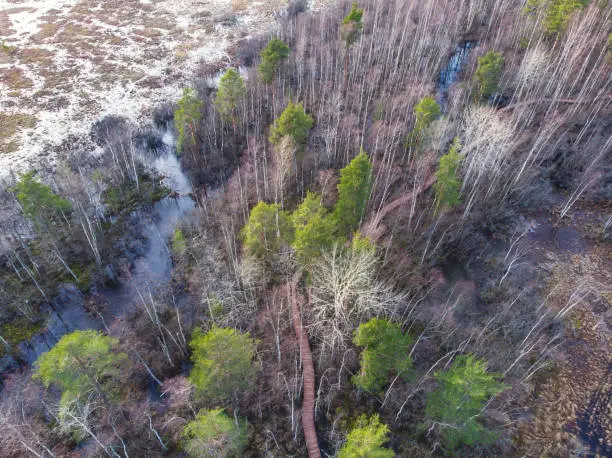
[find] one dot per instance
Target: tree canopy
(81, 362)
(267, 229)
(462, 393)
(366, 438)
(314, 227)
(187, 116)
(222, 363)
(385, 351)
(448, 185)
(214, 434)
(557, 13)
(231, 91)
(352, 24)
(272, 58)
(179, 243)
(353, 193)
(362, 244)
(293, 122)
(426, 112)
(488, 73)
(40, 204)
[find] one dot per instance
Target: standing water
(450, 73)
(149, 272)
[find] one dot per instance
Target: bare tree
(345, 292)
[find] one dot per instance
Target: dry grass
(10, 124)
(582, 371)
(15, 79)
(35, 56)
(239, 5)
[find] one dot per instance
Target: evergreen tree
(366, 439)
(272, 58)
(352, 24)
(314, 229)
(425, 112)
(353, 193)
(81, 362)
(487, 74)
(361, 244)
(385, 351)
(293, 122)
(186, 117)
(462, 393)
(179, 244)
(448, 185)
(350, 29)
(557, 13)
(222, 363)
(40, 204)
(267, 230)
(214, 434)
(231, 91)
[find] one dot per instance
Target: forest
(382, 229)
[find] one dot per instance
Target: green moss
(18, 330)
(83, 273)
(127, 197)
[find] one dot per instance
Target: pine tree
(448, 185)
(40, 204)
(179, 244)
(557, 13)
(293, 122)
(186, 117)
(462, 393)
(214, 434)
(350, 29)
(353, 193)
(267, 230)
(231, 91)
(314, 229)
(222, 363)
(352, 24)
(385, 351)
(425, 112)
(362, 244)
(85, 367)
(487, 74)
(272, 58)
(366, 439)
(81, 362)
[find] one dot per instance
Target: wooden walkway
(308, 423)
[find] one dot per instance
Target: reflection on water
(450, 73)
(149, 272)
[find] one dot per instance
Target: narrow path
(308, 424)
(370, 228)
(571, 101)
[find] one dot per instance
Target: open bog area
(66, 63)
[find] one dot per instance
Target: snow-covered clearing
(66, 63)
